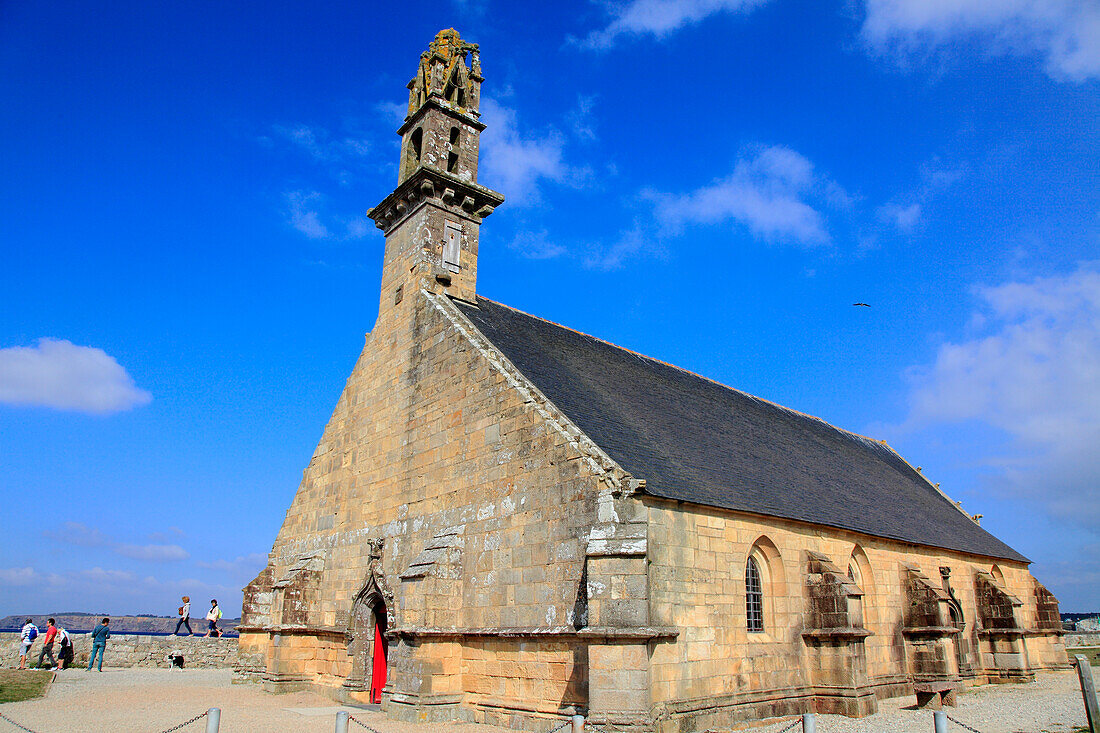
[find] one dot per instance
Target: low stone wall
(1081, 638)
(134, 650)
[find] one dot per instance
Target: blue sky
(188, 271)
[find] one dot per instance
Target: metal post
(939, 719)
(578, 724)
(809, 723)
(1088, 691)
(342, 721)
(213, 720)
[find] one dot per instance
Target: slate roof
(698, 441)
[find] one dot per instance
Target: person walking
(26, 638)
(47, 644)
(212, 617)
(100, 635)
(65, 653)
(185, 616)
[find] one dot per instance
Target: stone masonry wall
(416, 448)
(697, 577)
(134, 650)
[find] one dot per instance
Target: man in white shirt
(26, 638)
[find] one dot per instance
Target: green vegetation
(1091, 653)
(23, 684)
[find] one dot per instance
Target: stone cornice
(294, 630)
(854, 632)
(930, 631)
(462, 198)
(533, 632)
(444, 106)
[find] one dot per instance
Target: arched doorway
(368, 647)
(378, 652)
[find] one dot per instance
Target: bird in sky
(865, 305)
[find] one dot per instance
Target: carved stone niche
(297, 590)
(1003, 649)
(834, 636)
(928, 631)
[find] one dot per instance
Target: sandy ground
(152, 700)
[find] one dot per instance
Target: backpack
(32, 634)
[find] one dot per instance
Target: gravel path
(1050, 704)
(152, 700)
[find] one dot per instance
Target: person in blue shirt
(100, 635)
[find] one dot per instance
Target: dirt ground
(153, 700)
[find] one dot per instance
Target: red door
(378, 667)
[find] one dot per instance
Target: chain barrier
(959, 722)
(561, 727)
(355, 720)
(17, 725)
(200, 716)
(792, 726)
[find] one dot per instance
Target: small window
(452, 157)
(452, 245)
(412, 153)
(754, 597)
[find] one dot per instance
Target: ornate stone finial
(443, 74)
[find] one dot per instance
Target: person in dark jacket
(100, 635)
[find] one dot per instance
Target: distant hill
(1079, 616)
(119, 624)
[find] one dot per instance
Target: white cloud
(629, 244)
(81, 535)
(303, 216)
(17, 576)
(306, 213)
(242, 568)
(904, 218)
(153, 552)
(1066, 33)
(1035, 375)
(771, 192)
(660, 18)
(323, 147)
(101, 589)
(393, 112)
(58, 374)
(515, 164)
(581, 119)
(936, 176)
(536, 245)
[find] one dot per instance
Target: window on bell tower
(452, 157)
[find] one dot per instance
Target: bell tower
(431, 220)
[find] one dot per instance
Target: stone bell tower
(432, 218)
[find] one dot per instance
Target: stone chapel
(508, 521)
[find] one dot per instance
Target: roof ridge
(765, 400)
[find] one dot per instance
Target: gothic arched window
(754, 597)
